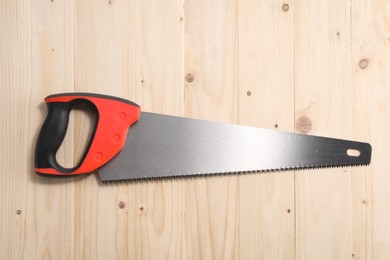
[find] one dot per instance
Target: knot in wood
(363, 64)
(121, 204)
(303, 124)
(190, 77)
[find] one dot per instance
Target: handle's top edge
(85, 94)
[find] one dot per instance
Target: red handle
(114, 117)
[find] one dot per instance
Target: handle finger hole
(82, 121)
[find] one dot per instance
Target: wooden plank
(15, 66)
(51, 201)
(211, 81)
(370, 70)
(36, 59)
(323, 107)
(211, 46)
(156, 224)
(131, 50)
(103, 64)
(158, 56)
(266, 78)
(104, 47)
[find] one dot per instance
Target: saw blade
(160, 146)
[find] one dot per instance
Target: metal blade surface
(168, 146)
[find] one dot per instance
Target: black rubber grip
(53, 132)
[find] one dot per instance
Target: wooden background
(318, 67)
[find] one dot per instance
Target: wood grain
(36, 59)
(370, 69)
(323, 97)
(211, 46)
(15, 67)
(158, 56)
(211, 84)
(266, 91)
(135, 52)
(157, 207)
(103, 64)
(316, 67)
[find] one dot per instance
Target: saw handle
(114, 117)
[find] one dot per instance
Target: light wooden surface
(318, 67)
(323, 95)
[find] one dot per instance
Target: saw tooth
(227, 174)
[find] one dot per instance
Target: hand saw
(127, 144)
